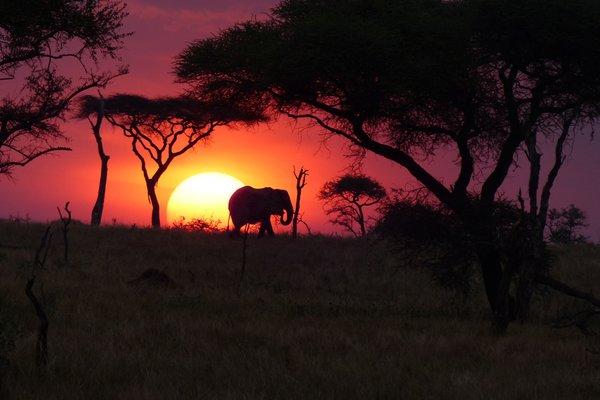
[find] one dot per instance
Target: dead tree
(162, 129)
(300, 183)
(41, 346)
(303, 222)
(529, 270)
(66, 221)
(244, 258)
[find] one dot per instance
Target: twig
(566, 289)
(579, 320)
(41, 347)
(301, 221)
(300, 183)
(243, 269)
(66, 221)
(40, 258)
(521, 200)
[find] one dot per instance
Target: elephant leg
(268, 227)
(261, 231)
(235, 232)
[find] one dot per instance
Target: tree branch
(558, 161)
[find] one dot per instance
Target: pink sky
(262, 156)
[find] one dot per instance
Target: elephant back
(248, 204)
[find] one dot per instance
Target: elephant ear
(283, 196)
(278, 201)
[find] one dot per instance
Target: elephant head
(281, 202)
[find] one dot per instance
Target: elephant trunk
(289, 214)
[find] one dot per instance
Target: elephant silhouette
(249, 205)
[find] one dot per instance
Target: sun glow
(202, 196)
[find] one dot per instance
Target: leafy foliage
(427, 235)
(40, 40)
(410, 79)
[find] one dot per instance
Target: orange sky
(262, 156)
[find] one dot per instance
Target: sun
(202, 196)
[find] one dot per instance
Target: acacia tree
(412, 80)
(346, 199)
(38, 41)
(85, 111)
(164, 128)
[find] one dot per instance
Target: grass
(319, 317)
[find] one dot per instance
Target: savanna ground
(319, 317)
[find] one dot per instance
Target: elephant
(249, 205)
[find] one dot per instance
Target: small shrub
(202, 225)
(429, 236)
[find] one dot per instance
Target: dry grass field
(316, 318)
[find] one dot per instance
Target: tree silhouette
(300, 176)
(411, 81)
(529, 254)
(39, 40)
(96, 125)
(564, 224)
(346, 199)
(163, 129)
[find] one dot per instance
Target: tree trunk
(491, 271)
(151, 186)
(99, 205)
(300, 183)
(525, 290)
(496, 277)
(361, 220)
(497, 286)
(296, 213)
(535, 263)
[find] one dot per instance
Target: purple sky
(164, 28)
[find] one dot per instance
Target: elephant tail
(228, 219)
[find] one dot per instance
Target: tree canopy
(41, 41)
(144, 112)
(410, 80)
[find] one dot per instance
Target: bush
(198, 225)
(564, 225)
(429, 236)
